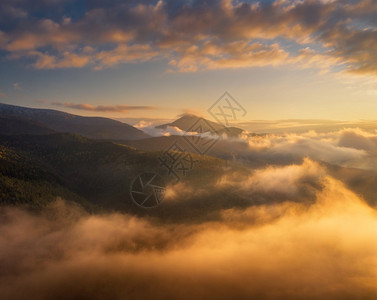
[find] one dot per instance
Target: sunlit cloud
(101, 108)
(197, 36)
(233, 55)
(150, 128)
(285, 250)
(67, 60)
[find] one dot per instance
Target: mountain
(14, 126)
(221, 143)
(26, 180)
(191, 123)
(38, 163)
(227, 149)
(35, 169)
(53, 120)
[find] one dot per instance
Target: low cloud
(284, 250)
(288, 180)
(287, 231)
(358, 139)
(339, 147)
(150, 128)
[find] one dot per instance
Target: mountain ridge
(59, 121)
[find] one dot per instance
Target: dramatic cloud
(347, 147)
(287, 180)
(194, 35)
(101, 108)
(276, 231)
(270, 251)
(358, 139)
(233, 55)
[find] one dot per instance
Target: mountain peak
(187, 122)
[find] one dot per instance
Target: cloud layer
(288, 228)
(272, 251)
(193, 35)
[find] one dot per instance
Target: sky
(281, 59)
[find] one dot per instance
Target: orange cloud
(280, 251)
(200, 36)
(123, 54)
(68, 60)
(101, 108)
(233, 55)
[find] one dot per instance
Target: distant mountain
(220, 147)
(191, 123)
(54, 120)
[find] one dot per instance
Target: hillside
(227, 149)
(15, 125)
(54, 120)
(90, 169)
(27, 181)
(34, 170)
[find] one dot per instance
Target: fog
(317, 242)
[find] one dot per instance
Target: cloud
(150, 128)
(89, 57)
(101, 108)
(67, 60)
(327, 147)
(358, 139)
(123, 54)
(303, 126)
(248, 187)
(288, 180)
(234, 55)
(280, 251)
(278, 231)
(194, 35)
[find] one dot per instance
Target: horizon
(78, 112)
(279, 126)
